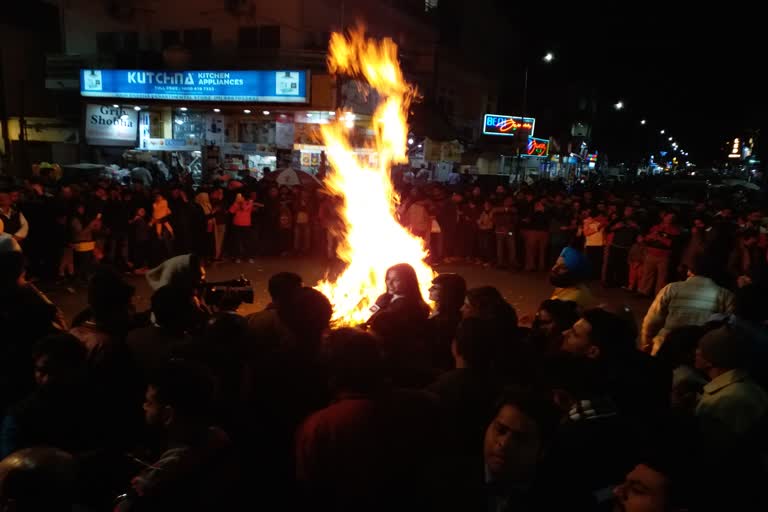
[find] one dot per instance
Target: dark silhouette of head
(475, 343)
(173, 308)
(680, 344)
(352, 360)
(282, 285)
(37, 479)
(307, 313)
(556, 316)
(110, 299)
(179, 397)
(722, 349)
(486, 302)
(448, 292)
(57, 359)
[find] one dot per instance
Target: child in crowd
(160, 215)
(635, 261)
(139, 241)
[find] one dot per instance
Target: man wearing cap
(731, 403)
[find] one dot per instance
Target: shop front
(193, 121)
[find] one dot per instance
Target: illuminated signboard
(283, 86)
(592, 157)
(507, 125)
(735, 149)
(537, 147)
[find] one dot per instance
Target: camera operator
(187, 273)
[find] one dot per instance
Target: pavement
(524, 290)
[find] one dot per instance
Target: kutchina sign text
(266, 86)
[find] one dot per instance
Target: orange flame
(373, 238)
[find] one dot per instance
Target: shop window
(130, 41)
(113, 42)
(170, 38)
(265, 36)
(197, 38)
(269, 36)
(107, 42)
(248, 37)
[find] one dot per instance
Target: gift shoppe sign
(108, 125)
(285, 86)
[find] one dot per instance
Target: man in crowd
(689, 302)
(372, 447)
(514, 449)
(659, 244)
(194, 468)
(266, 326)
(732, 404)
(12, 221)
(623, 233)
(640, 385)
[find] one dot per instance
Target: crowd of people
(446, 402)
(625, 240)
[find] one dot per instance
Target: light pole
(548, 58)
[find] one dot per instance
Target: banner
(106, 125)
(268, 86)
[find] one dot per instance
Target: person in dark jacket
(447, 293)
(400, 319)
(467, 392)
(27, 316)
(58, 412)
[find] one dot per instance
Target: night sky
(694, 74)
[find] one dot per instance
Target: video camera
(228, 295)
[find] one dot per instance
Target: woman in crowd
(205, 224)
(221, 219)
(400, 319)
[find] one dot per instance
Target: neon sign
(538, 147)
(507, 125)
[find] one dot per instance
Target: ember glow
(373, 239)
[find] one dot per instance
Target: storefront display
(247, 156)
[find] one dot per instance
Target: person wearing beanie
(732, 403)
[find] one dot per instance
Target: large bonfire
(373, 240)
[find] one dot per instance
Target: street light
(642, 121)
(662, 132)
(619, 105)
(549, 57)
